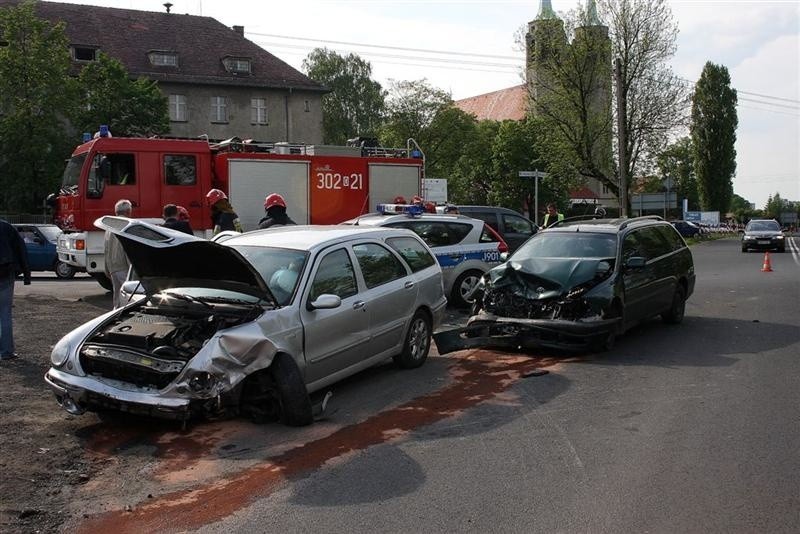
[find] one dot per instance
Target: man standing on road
(552, 216)
(172, 220)
(116, 261)
(13, 260)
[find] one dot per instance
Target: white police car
(464, 247)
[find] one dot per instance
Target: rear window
(414, 252)
(437, 233)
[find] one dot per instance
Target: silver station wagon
(252, 324)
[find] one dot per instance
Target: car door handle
(358, 305)
(455, 256)
(409, 284)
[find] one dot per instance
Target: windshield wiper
(235, 300)
(188, 298)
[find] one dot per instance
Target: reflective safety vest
(547, 223)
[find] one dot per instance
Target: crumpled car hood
(545, 278)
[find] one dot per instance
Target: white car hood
(165, 258)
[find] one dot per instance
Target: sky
(757, 40)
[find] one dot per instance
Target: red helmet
(274, 199)
(399, 199)
(416, 200)
(183, 214)
(214, 196)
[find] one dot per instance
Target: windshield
(763, 226)
(279, 267)
(568, 245)
(72, 173)
(50, 232)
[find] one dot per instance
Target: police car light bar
(408, 209)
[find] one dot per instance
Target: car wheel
(103, 280)
(782, 249)
(417, 342)
(463, 286)
(292, 393)
(607, 342)
(675, 313)
(64, 270)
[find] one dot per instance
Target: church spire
(546, 10)
(591, 14)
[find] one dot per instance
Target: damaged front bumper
(487, 330)
(77, 394)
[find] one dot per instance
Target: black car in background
(686, 228)
(579, 284)
(763, 234)
(512, 226)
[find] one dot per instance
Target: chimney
(239, 30)
(168, 5)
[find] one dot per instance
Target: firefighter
(552, 216)
(222, 215)
(183, 214)
(171, 214)
(275, 207)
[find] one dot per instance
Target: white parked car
(252, 324)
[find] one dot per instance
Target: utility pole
(622, 140)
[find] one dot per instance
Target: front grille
(158, 376)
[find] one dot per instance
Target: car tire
(607, 343)
(103, 280)
(292, 393)
(63, 270)
(417, 343)
(782, 249)
(744, 249)
(465, 282)
(678, 307)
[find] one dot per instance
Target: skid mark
(476, 377)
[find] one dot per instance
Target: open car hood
(545, 278)
(165, 258)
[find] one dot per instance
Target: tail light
(502, 246)
(80, 244)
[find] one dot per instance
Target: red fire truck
(321, 184)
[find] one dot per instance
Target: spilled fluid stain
(475, 378)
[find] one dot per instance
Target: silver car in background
(253, 324)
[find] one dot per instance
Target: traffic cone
(767, 267)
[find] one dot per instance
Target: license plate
(763, 241)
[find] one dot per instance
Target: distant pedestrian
(116, 261)
(275, 208)
(172, 220)
(223, 218)
(13, 260)
(552, 216)
(451, 209)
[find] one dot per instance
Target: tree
(356, 104)
(411, 108)
(130, 108)
(713, 129)
(35, 92)
(741, 208)
(777, 205)
(676, 162)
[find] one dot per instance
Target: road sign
(532, 174)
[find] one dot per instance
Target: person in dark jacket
(222, 215)
(172, 220)
(275, 206)
(13, 260)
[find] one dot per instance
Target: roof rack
(590, 217)
(642, 218)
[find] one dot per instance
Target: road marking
(794, 248)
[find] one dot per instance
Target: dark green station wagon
(578, 285)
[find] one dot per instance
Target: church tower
(544, 41)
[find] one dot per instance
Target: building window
(163, 59)
(219, 109)
(84, 53)
(178, 111)
(307, 106)
(180, 170)
(258, 110)
(237, 65)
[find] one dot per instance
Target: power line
(469, 54)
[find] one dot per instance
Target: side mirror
(50, 201)
(38, 240)
(325, 302)
(132, 287)
(636, 262)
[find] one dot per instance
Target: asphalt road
(681, 428)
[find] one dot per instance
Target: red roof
(583, 193)
(505, 104)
